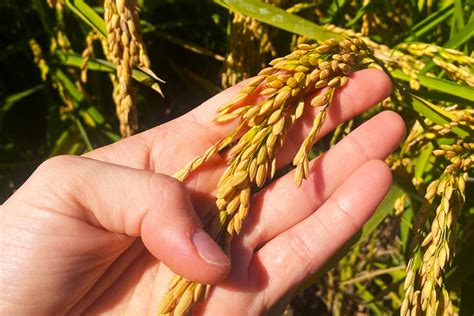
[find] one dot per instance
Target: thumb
(136, 203)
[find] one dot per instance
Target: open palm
(79, 237)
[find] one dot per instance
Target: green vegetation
(57, 97)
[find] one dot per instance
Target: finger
(270, 215)
(142, 151)
(156, 149)
(297, 253)
(364, 89)
(135, 203)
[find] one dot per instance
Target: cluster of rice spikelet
(55, 4)
(38, 58)
(284, 86)
(376, 22)
(454, 62)
(87, 53)
(248, 46)
(432, 253)
(126, 50)
(409, 58)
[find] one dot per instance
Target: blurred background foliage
(199, 47)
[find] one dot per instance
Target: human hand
(96, 234)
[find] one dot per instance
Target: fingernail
(208, 249)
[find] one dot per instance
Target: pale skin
(99, 234)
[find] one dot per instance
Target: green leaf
(458, 14)
(62, 144)
(83, 133)
(141, 75)
(76, 95)
(279, 18)
(462, 36)
(429, 23)
(455, 41)
(442, 85)
(423, 159)
(359, 14)
(369, 298)
(88, 15)
(406, 221)
(12, 99)
(437, 115)
(76, 149)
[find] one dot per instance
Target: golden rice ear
(252, 37)
(252, 159)
(125, 49)
(87, 52)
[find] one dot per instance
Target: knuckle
(163, 189)
(55, 163)
(300, 249)
(357, 148)
(167, 185)
(347, 217)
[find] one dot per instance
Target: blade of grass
(458, 14)
(367, 276)
(279, 18)
(429, 23)
(463, 36)
(406, 221)
(93, 118)
(83, 133)
(437, 115)
(76, 95)
(437, 96)
(62, 142)
(445, 86)
(75, 60)
(9, 101)
(359, 14)
(368, 297)
(422, 160)
(455, 41)
(88, 15)
(76, 149)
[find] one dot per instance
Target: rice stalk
(126, 50)
(459, 66)
(249, 46)
(284, 86)
(365, 28)
(406, 57)
(432, 252)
